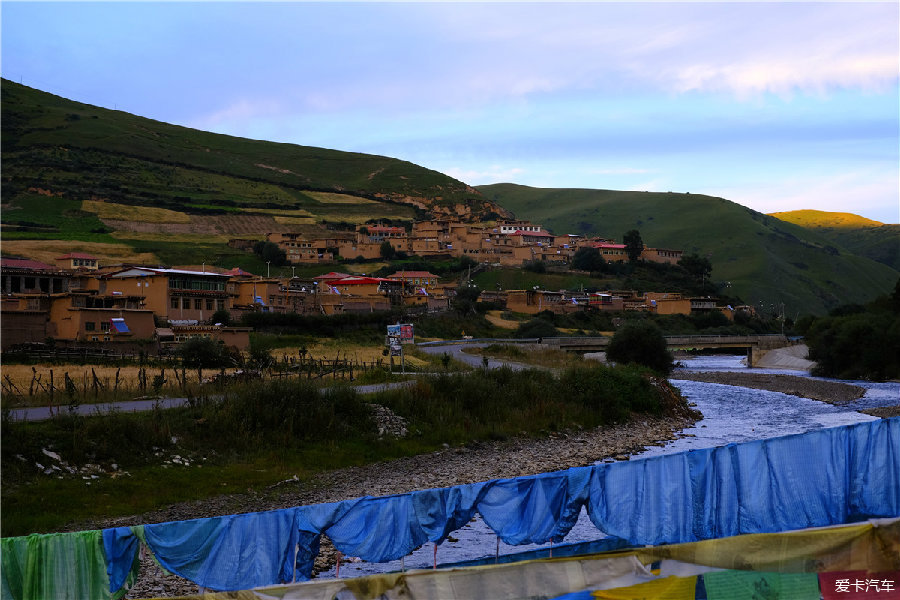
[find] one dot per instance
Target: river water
(730, 414)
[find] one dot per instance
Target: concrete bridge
(756, 345)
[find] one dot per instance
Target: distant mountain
(54, 147)
(762, 259)
(858, 235)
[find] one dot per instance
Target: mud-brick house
(353, 294)
(611, 252)
(25, 276)
(22, 320)
(661, 255)
(300, 249)
(77, 260)
(667, 303)
(115, 320)
(606, 301)
(172, 294)
(233, 337)
(534, 301)
(510, 227)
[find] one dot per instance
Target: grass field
(47, 250)
(761, 259)
(125, 212)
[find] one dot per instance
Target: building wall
(22, 326)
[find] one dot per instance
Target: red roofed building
(25, 276)
(612, 252)
(331, 275)
(418, 278)
(77, 260)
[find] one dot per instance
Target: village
(142, 308)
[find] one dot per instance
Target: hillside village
(131, 308)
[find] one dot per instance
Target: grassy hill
(92, 175)
(858, 235)
(764, 260)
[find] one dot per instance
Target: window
(220, 305)
(104, 325)
(175, 303)
(186, 303)
(198, 304)
(209, 304)
(90, 326)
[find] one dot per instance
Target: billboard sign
(402, 333)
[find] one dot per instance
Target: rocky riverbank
(833, 392)
(447, 467)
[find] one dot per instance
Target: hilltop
(865, 237)
(79, 172)
(125, 188)
(763, 260)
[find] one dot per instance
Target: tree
(270, 252)
(387, 250)
(221, 316)
(204, 352)
(588, 259)
(634, 245)
(642, 343)
(697, 266)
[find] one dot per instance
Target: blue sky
(777, 106)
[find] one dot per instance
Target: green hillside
(858, 235)
(70, 171)
(764, 260)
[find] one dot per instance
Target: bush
(588, 259)
(641, 343)
(201, 352)
(536, 328)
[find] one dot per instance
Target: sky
(777, 106)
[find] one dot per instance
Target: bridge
(756, 345)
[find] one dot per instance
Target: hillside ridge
(765, 261)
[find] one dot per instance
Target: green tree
(387, 250)
(641, 343)
(204, 352)
(588, 259)
(634, 245)
(270, 252)
(697, 266)
(221, 316)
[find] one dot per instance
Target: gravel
(832, 392)
(475, 462)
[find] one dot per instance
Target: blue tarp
(824, 477)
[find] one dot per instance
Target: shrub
(641, 343)
(536, 328)
(204, 353)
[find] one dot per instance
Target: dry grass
(285, 212)
(282, 220)
(22, 375)
(197, 238)
(495, 318)
(332, 198)
(47, 250)
(124, 212)
(331, 349)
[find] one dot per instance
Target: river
(730, 414)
